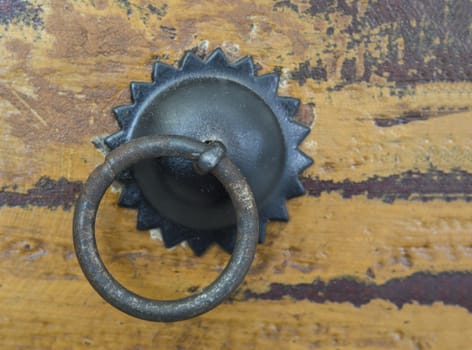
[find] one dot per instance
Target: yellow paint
(86, 56)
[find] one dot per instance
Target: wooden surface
(378, 254)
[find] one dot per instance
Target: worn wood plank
(378, 254)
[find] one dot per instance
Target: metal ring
(101, 279)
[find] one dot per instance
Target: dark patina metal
(208, 157)
(208, 153)
(211, 100)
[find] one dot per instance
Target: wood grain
(378, 254)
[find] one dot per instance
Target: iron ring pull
(208, 157)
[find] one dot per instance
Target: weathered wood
(378, 254)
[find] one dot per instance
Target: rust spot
(305, 114)
(450, 288)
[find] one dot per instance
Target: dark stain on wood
(348, 70)
(410, 185)
(305, 71)
(46, 193)
(14, 12)
(159, 11)
(144, 12)
(426, 40)
(285, 4)
(170, 32)
(322, 7)
(419, 115)
(450, 288)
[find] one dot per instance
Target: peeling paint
(409, 42)
(424, 288)
(21, 12)
(46, 193)
(410, 185)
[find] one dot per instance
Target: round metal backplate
(208, 108)
(211, 100)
